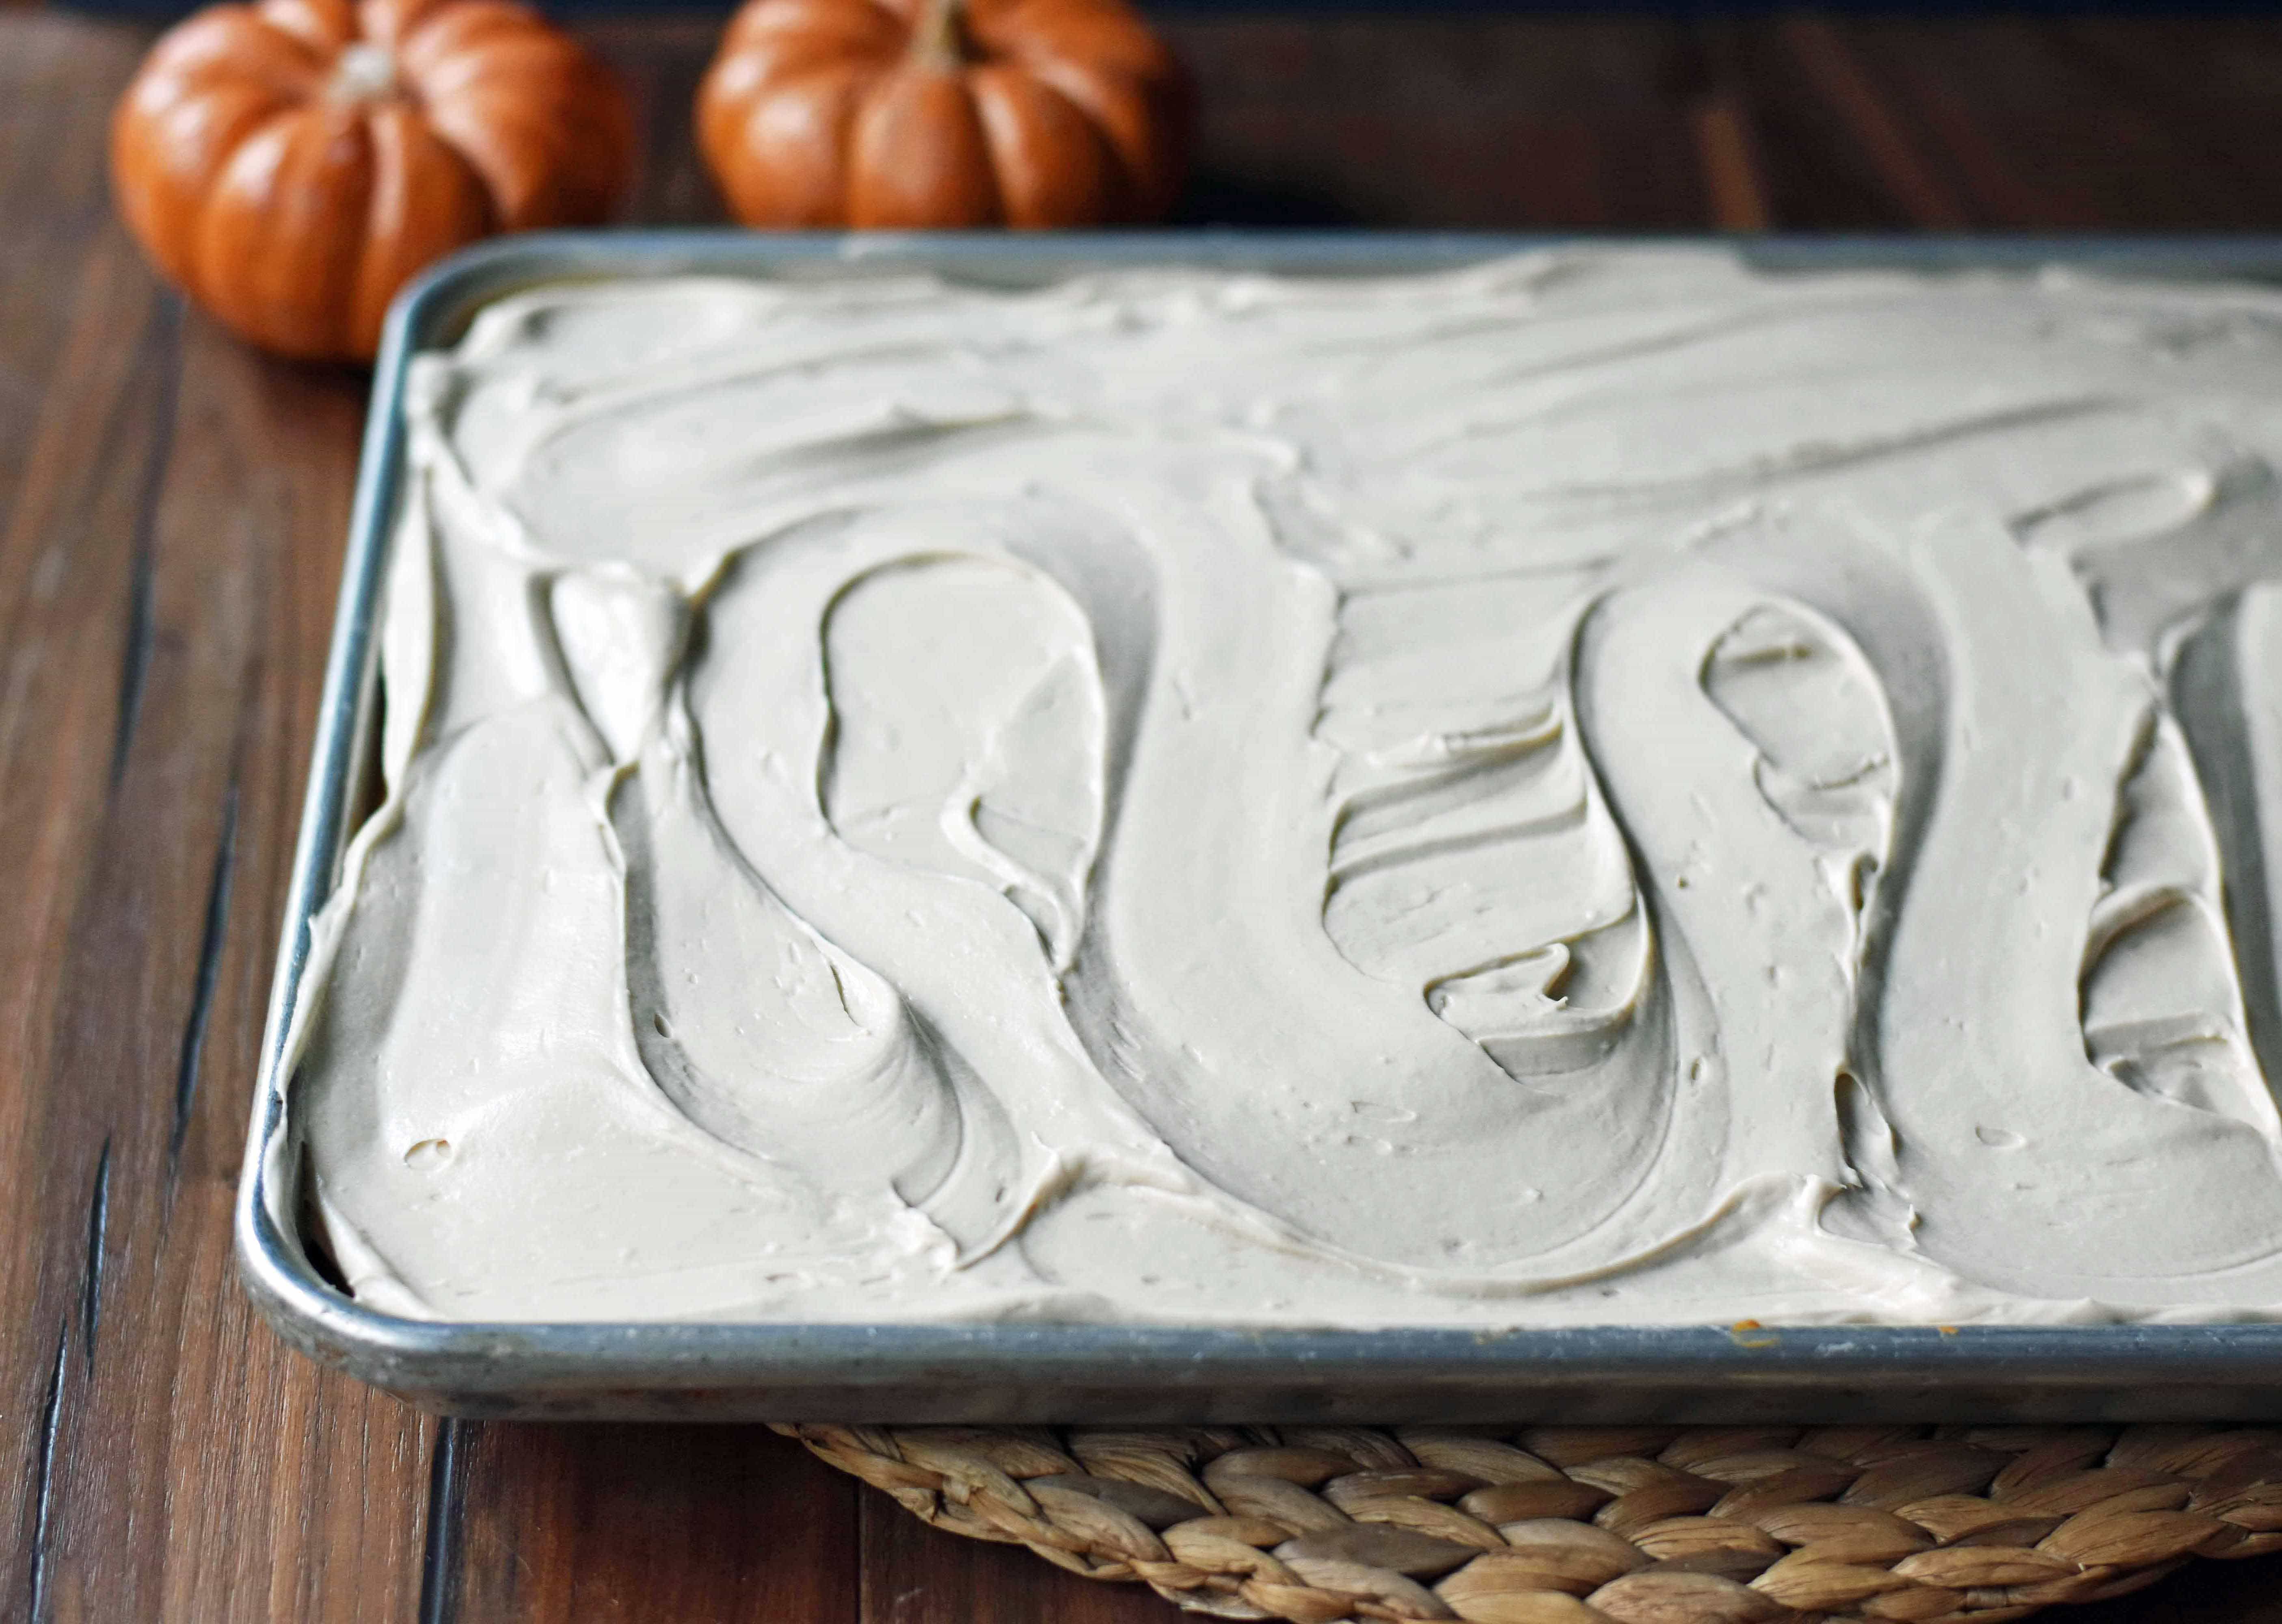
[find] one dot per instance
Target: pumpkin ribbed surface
(292, 164)
(942, 113)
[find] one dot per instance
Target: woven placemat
(1557, 1525)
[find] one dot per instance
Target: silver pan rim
(1108, 1372)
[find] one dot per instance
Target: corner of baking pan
(473, 1367)
(435, 309)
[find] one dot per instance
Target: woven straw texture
(1551, 1525)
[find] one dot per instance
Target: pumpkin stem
(939, 36)
(362, 72)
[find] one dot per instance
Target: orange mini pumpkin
(943, 113)
(291, 163)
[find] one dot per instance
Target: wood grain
(171, 510)
(2208, 1593)
(1482, 122)
(730, 1525)
(1876, 123)
(169, 553)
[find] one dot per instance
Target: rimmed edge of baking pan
(1071, 1373)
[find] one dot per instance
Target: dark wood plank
(1814, 171)
(2038, 133)
(2008, 144)
(170, 550)
(647, 1525)
(1840, 73)
(166, 1377)
(326, 1521)
(79, 433)
(2211, 168)
(1734, 175)
(660, 61)
(1442, 121)
(2246, 1592)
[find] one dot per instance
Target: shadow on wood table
(171, 509)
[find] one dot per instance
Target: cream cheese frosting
(1605, 787)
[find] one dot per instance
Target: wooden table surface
(171, 514)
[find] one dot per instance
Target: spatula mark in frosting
(2032, 749)
(1560, 1007)
(2153, 550)
(1432, 739)
(2162, 1010)
(2223, 691)
(1738, 793)
(874, 628)
(1800, 694)
(967, 731)
(1470, 855)
(1424, 858)
(777, 1065)
(2163, 981)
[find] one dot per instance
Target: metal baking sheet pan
(1071, 1373)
